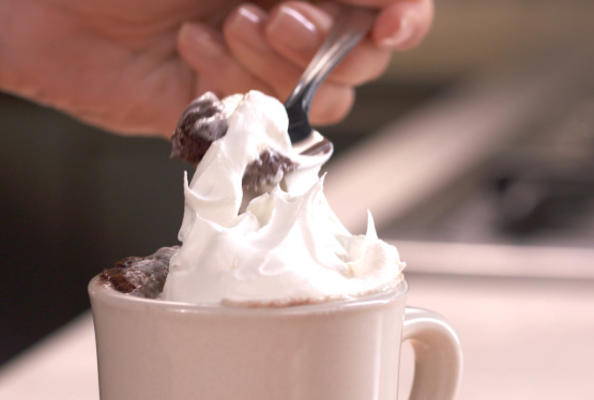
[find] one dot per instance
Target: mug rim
(98, 290)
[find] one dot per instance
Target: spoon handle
(349, 28)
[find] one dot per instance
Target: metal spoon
(350, 26)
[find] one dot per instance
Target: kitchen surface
(475, 154)
(522, 339)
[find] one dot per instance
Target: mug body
(153, 349)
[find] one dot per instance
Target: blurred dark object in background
(74, 200)
(532, 197)
(536, 189)
(547, 182)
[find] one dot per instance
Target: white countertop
(522, 339)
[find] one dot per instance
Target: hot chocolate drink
(257, 229)
(268, 297)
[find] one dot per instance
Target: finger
(372, 3)
(204, 50)
(402, 25)
(244, 35)
(331, 104)
(297, 29)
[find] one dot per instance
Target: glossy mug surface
(343, 350)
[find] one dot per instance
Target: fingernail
(246, 25)
(204, 41)
(401, 35)
(293, 29)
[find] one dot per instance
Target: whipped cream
(282, 247)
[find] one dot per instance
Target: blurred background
(475, 152)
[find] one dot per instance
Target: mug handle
(438, 355)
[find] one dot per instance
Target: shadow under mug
(342, 350)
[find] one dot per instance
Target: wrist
(8, 69)
(18, 56)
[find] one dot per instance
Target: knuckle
(361, 67)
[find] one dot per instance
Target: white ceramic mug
(343, 350)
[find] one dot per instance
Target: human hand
(268, 50)
(133, 66)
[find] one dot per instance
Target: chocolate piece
(264, 173)
(201, 123)
(324, 146)
(141, 276)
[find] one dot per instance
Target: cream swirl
(285, 246)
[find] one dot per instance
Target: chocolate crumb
(141, 276)
(201, 123)
(264, 173)
(127, 262)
